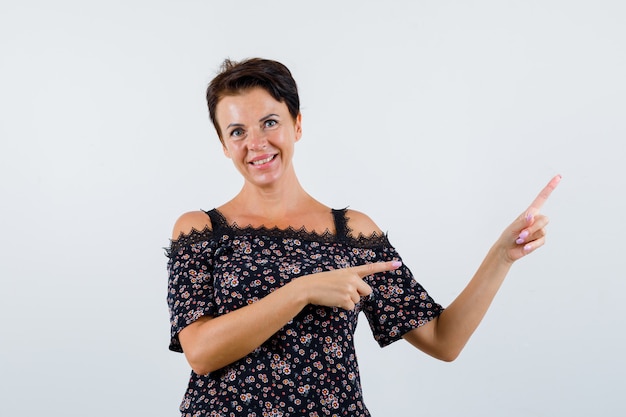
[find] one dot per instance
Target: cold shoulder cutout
(192, 221)
(361, 225)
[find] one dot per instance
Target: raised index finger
(540, 200)
(376, 267)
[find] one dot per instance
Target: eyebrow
(234, 125)
(268, 116)
(262, 119)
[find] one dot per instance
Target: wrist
(297, 290)
(499, 255)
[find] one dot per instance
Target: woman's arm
(211, 343)
(445, 336)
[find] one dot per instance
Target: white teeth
(263, 161)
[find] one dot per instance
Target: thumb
(521, 226)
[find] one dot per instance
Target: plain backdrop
(439, 119)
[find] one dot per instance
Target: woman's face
(258, 134)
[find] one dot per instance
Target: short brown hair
(236, 77)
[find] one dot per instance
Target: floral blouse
(309, 367)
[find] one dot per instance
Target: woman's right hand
(341, 288)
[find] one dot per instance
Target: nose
(256, 140)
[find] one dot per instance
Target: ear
(298, 126)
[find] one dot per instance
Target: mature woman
(264, 291)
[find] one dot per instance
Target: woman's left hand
(527, 232)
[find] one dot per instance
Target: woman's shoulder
(197, 220)
(360, 224)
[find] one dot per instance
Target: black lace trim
(302, 233)
(188, 239)
(375, 239)
(206, 234)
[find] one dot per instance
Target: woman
(264, 291)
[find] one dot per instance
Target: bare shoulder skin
(192, 220)
(361, 224)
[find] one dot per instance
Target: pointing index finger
(540, 200)
(376, 267)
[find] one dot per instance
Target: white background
(439, 119)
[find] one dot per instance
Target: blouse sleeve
(398, 303)
(190, 286)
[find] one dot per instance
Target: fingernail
(396, 264)
(522, 236)
(528, 247)
(529, 217)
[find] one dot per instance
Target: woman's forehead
(253, 103)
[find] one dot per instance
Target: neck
(274, 202)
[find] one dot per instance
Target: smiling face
(258, 134)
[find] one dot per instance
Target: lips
(263, 160)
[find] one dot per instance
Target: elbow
(199, 363)
(448, 356)
(201, 370)
(443, 353)
(201, 356)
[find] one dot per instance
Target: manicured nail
(396, 264)
(528, 247)
(529, 217)
(522, 236)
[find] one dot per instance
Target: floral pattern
(309, 367)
